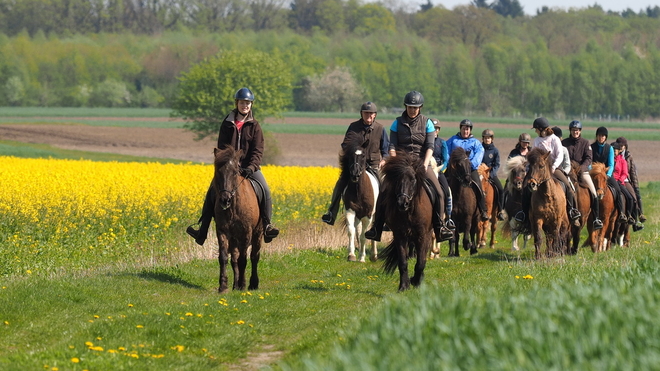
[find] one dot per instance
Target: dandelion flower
(139, 326)
(179, 348)
(240, 322)
(75, 360)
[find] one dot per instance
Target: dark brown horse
(516, 169)
(237, 220)
(465, 212)
(601, 239)
(408, 213)
(359, 199)
(491, 208)
(547, 212)
(583, 204)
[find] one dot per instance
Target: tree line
(470, 59)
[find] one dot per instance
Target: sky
(530, 6)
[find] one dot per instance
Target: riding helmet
(602, 131)
(436, 123)
(622, 141)
(466, 122)
(557, 131)
(524, 137)
(488, 133)
(615, 145)
(575, 124)
(244, 94)
(414, 99)
(369, 107)
(541, 123)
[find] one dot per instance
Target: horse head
(516, 167)
(598, 174)
(539, 168)
(403, 174)
(353, 161)
(460, 167)
(226, 176)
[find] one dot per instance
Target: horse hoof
(352, 258)
(373, 258)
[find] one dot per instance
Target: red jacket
(620, 169)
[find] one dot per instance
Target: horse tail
(390, 257)
(506, 229)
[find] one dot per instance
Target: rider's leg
(448, 200)
(500, 196)
(266, 206)
(642, 218)
(376, 230)
(595, 205)
(476, 184)
(618, 198)
(331, 215)
(573, 212)
(630, 205)
(205, 220)
(442, 233)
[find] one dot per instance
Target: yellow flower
(528, 277)
(189, 314)
(139, 326)
(130, 305)
(179, 348)
(75, 360)
(240, 322)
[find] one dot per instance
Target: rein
(233, 191)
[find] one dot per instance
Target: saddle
(430, 190)
(258, 190)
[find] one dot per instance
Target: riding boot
(270, 231)
(619, 200)
(595, 210)
(502, 214)
(205, 220)
(483, 213)
(573, 213)
(442, 233)
(632, 214)
(330, 216)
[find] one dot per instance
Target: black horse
(466, 211)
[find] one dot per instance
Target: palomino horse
(491, 207)
(547, 212)
(237, 220)
(359, 199)
(516, 169)
(601, 239)
(465, 214)
(583, 201)
(408, 212)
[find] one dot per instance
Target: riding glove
(246, 172)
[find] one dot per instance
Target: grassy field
(155, 305)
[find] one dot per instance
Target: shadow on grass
(165, 277)
(498, 256)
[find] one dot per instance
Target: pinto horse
(516, 169)
(359, 199)
(237, 221)
(583, 204)
(601, 239)
(465, 213)
(547, 212)
(490, 200)
(408, 212)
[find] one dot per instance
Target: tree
(508, 8)
(334, 90)
(206, 91)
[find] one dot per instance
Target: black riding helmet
(575, 124)
(369, 107)
(541, 123)
(414, 99)
(466, 122)
(244, 94)
(602, 131)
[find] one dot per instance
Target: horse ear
(215, 151)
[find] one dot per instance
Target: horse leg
(364, 224)
(239, 262)
(537, 232)
(223, 259)
(421, 246)
(404, 281)
(350, 228)
(493, 229)
(255, 255)
(514, 241)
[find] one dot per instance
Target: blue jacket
(491, 158)
(471, 144)
(440, 153)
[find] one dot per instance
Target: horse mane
(483, 170)
(396, 166)
(597, 168)
(574, 175)
(515, 163)
(457, 154)
(346, 154)
(224, 154)
(534, 156)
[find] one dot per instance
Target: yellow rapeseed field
(52, 211)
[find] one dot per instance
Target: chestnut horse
(516, 169)
(601, 239)
(547, 212)
(491, 207)
(359, 199)
(466, 212)
(583, 204)
(408, 212)
(237, 220)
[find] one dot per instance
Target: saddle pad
(258, 189)
(430, 190)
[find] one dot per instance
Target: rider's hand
(246, 172)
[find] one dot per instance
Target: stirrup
(574, 214)
(637, 227)
(642, 218)
(372, 234)
(598, 224)
(444, 234)
(501, 215)
(631, 220)
(271, 232)
(327, 218)
(520, 217)
(450, 224)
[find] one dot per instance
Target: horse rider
(522, 147)
(579, 151)
(632, 175)
(239, 129)
(414, 134)
(621, 175)
(492, 160)
(549, 141)
(475, 150)
(373, 138)
(441, 157)
(604, 153)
